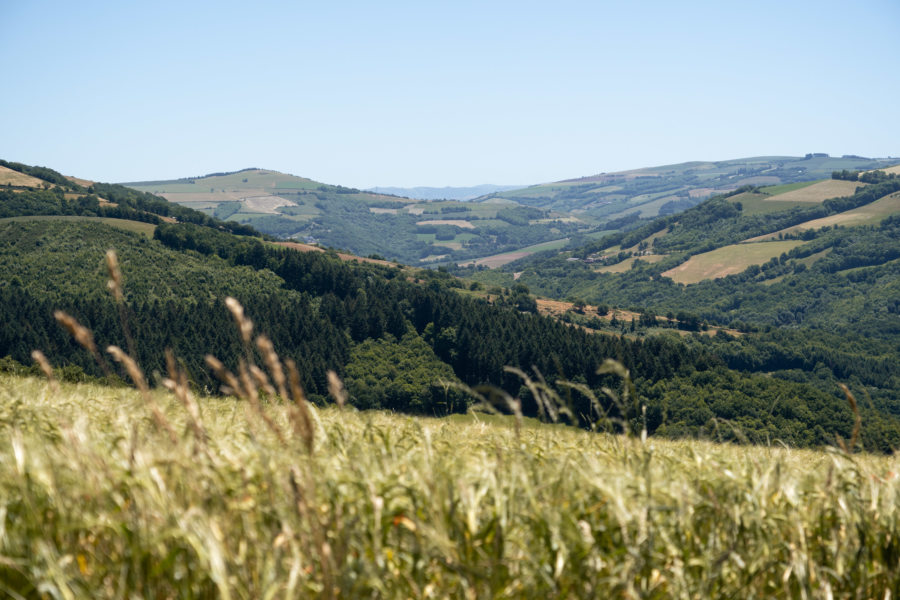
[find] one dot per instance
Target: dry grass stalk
(232, 385)
(301, 419)
(115, 276)
(44, 364)
(83, 336)
(177, 383)
(137, 376)
(336, 389)
(252, 394)
(262, 381)
(115, 285)
(267, 349)
(306, 510)
(245, 325)
(857, 423)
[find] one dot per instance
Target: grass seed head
(336, 389)
(115, 275)
(44, 364)
(245, 325)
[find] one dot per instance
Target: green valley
(365, 223)
(414, 340)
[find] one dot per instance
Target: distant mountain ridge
(505, 223)
(446, 192)
(392, 334)
(668, 189)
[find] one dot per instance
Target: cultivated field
(895, 169)
(869, 214)
(727, 260)
(785, 197)
(10, 177)
(817, 192)
(105, 494)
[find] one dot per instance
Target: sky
(434, 93)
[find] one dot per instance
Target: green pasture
(728, 260)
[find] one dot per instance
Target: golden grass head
(115, 275)
(81, 333)
(336, 389)
(245, 325)
(44, 364)
(131, 366)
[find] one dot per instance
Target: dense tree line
(360, 320)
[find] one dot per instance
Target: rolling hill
(669, 189)
(814, 279)
(444, 193)
(362, 222)
(491, 229)
(407, 341)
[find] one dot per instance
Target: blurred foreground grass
(97, 500)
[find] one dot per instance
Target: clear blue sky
(441, 93)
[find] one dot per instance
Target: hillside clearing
(15, 178)
(754, 203)
(626, 264)
(146, 229)
(343, 256)
(895, 170)
(728, 260)
(462, 224)
(265, 204)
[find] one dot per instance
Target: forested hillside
(405, 340)
(813, 286)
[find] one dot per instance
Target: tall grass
(121, 493)
(97, 500)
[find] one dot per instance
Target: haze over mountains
(762, 348)
(444, 193)
(487, 229)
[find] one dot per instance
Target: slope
(819, 300)
(362, 222)
(364, 319)
(669, 189)
(392, 341)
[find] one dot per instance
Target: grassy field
(753, 203)
(106, 494)
(727, 260)
(136, 226)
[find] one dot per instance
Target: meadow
(727, 260)
(107, 493)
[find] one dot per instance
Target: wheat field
(111, 493)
